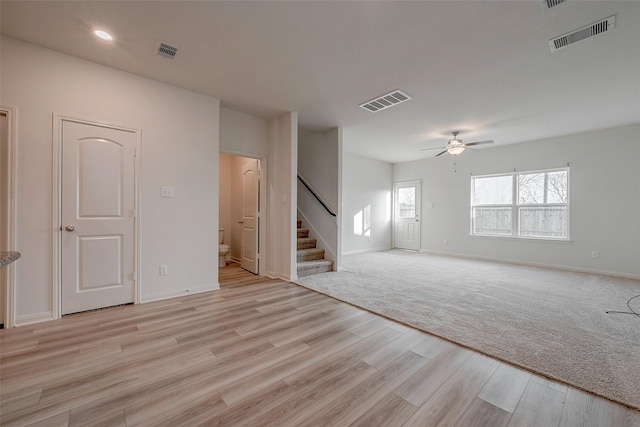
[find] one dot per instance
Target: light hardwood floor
(264, 352)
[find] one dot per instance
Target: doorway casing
(9, 216)
(262, 201)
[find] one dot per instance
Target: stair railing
(316, 195)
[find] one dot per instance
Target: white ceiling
(481, 67)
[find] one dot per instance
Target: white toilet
(223, 250)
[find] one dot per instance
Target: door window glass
(407, 202)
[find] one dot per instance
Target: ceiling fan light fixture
(455, 150)
(455, 145)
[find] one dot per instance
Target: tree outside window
(526, 204)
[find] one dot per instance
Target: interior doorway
(240, 197)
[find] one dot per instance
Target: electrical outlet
(595, 254)
(166, 192)
(164, 270)
(445, 242)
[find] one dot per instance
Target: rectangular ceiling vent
(385, 101)
(166, 51)
(565, 40)
(548, 4)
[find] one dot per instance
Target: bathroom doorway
(239, 216)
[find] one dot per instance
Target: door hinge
(135, 151)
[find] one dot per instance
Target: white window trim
(515, 205)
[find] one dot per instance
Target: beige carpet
(548, 321)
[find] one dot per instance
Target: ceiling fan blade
(434, 148)
(490, 141)
(440, 154)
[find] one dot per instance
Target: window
(492, 201)
(407, 202)
(522, 204)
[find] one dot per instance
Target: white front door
(250, 218)
(98, 207)
(406, 217)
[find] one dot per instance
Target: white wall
(319, 156)
(180, 132)
(366, 183)
(282, 196)
(243, 135)
(604, 200)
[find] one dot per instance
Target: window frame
(515, 206)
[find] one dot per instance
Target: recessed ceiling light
(103, 35)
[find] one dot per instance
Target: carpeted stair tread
(310, 254)
(306, 243)
(310, 259)
(307, 268)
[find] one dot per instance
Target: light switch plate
(166, 192)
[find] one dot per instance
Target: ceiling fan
(455, 145)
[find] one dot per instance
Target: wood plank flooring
(264, 352)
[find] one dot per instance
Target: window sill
(522, 238)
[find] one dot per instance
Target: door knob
(69, 228)
(240, 222)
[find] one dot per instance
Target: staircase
(310, 259)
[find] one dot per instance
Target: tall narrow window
(542, 204)
(527, 204)
(492, 201)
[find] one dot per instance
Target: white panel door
(98, 202)
(250, 222)
(406, 215)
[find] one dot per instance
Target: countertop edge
(7, 258)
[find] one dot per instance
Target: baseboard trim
(274, 275)
(538, 264)
(29, 319)
(184, 293)
(364, 251)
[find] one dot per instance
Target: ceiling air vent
(385, 101)
(166, 51)
(565, 40)
(548, 4)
